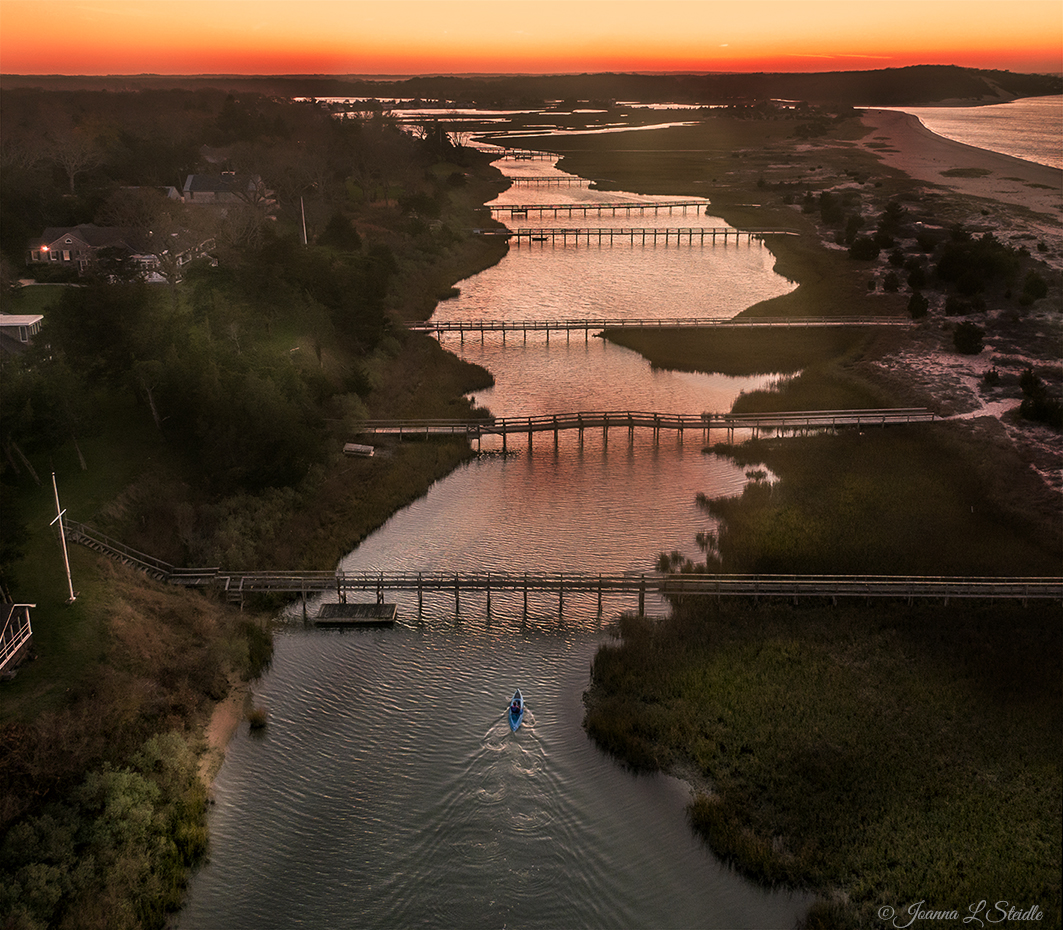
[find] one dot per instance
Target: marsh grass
(741, 352)
(878, 754)
(902, 500)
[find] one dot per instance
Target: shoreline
(900, 140)
(219, 730)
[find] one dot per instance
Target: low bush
(864, 249)
(918, 305)
(967, 338)
(116, 853)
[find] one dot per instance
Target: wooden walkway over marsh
(630, 420)
(236, 586)
(587, 326)
(642, 235)
(598, 209)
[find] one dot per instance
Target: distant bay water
(1031, 128)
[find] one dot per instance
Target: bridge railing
(767, 585)
(458, 326)
(236, 584)
(80, 533)
(647, 419)
(16, 632)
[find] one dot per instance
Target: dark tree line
(230, 363)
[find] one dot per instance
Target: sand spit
(225, 720)
(1016, 200)
(901, 141)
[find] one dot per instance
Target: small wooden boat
(516, 710)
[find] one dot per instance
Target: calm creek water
(387, 790)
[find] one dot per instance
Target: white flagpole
(62, 539)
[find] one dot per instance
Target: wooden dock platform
(356, 615)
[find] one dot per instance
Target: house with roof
(81, 246)
(78, 246)
(17, 331)
(226, 189)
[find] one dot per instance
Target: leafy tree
(340, 234)
(74, 147)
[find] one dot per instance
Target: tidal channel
(387, 790)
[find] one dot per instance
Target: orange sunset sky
(522, 36)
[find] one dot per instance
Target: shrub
(992, 376)
(1042, 409)
(968, 338)
(972, 264)
(1034, 287)
(891, 283)
(957, 306)
(917, 276)
(864, 249)
(1031, 385)
(918, 305)
(830, 208)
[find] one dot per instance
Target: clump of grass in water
(257, 718)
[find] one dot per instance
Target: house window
(66, 255)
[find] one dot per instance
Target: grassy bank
(877, 755)
(742, 352)
(902, 500)
(102, 809)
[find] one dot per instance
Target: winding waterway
(386, 790)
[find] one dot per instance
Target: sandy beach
(1018, 201)
(901, 141)
(224, 721)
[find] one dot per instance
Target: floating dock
(347, 615)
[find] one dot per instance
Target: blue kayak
(516, 710)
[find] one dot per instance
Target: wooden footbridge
(598, 209)
(515, 154)
(559, 181)
(642, 235)
(587, 326)
(795, 421)
(237, 586)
